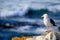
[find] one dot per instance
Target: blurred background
(23, 17)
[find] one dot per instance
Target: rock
(50, 36)
(22, 38)
(30, 39)
(59, 28)
(47, 36)
(39, 38)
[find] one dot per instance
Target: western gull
(48, 22)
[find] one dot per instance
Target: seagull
(48, 22)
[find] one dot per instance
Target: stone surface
(47, 36)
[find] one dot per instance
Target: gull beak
(42, 16)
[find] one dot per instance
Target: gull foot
(48, 31)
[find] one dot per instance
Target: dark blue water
(24, 18)
(28, 25)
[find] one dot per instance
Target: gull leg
(48, 30)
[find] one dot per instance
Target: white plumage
(48, 22)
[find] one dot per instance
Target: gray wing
(52, 21)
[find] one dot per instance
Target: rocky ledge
(46, 36)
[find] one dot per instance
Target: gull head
(44, 15)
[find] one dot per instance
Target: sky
(21, 6)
